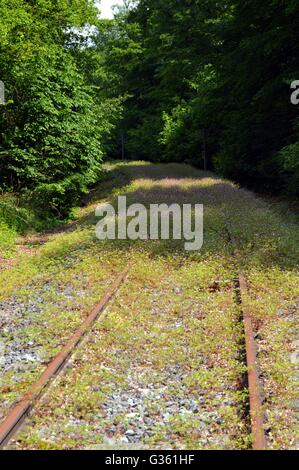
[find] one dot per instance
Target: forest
(149, 237)
(203, 82)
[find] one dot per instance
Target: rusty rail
(17, 415)
(15, 418)
(254, 385)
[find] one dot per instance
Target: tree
(221, 66)
(54, 125)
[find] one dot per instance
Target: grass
(177, 312)
(139, 337)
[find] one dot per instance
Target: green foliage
(7, 239)
(59, 132)
(289, 160)
(55, 126)
(57, 198)
(158, 74)
(15, 215)
(221, 66)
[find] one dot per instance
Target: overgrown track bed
(164, 366)
(12, 423)
(188, 395)
(253, 375)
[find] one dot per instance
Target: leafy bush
(7, 239)
(56, 123)
(289, 160)
(58, 198)
(15, 215)
(58, 146)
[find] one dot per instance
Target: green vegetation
(175, 315)
(165, 75)
(55, 122)
(166, 83)
(223, 67)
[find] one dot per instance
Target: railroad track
(16, 417)
(253, 380)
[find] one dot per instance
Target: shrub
(7, 239)
(54, 142)
(288, 158)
